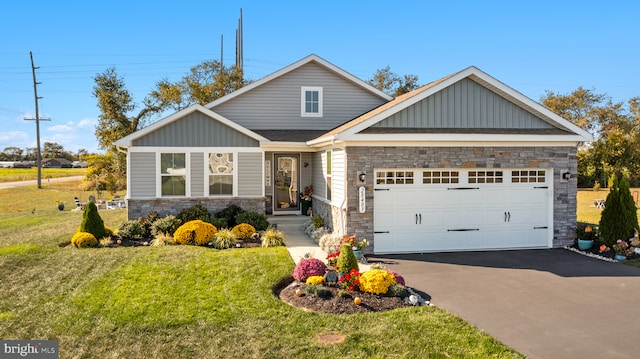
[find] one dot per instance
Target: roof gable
(195, 126)
(456, 103)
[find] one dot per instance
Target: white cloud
(87, 122)
(14, 139)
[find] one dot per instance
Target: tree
(105, 173)
(581, 107)
(390, 83)
(52, 150)
(619, 217)
(13, 153)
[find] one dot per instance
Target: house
(56, 163)
(462, 163)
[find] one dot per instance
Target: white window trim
(234, 191)
(303, 103)
(187, 175)
(328, 176)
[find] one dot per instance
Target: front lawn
(187, 301)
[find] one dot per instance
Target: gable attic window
(173, 174)
(311, 102)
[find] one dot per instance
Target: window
(485, 176)
(173, 174)
(311, 102)
(437, 177)
(528, 176)
(220, 174)
(327, 173)
(394, 177)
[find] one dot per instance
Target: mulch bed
(286, 291)
(595, 252)
(250, 243)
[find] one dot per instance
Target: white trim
(303, 101)
(294, 66)
(127, 141)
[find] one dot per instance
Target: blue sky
(532, 46)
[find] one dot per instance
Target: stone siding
(163, 206)
(552, 158)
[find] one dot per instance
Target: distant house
(462, 163)
(56, 163)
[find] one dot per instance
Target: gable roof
(127, 141)
(311, 58)
(351, 129)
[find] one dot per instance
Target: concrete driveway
(550, 303)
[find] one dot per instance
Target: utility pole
(37, 119)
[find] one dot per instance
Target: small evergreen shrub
(272, 238)
(317, 220)
(319, 291)
(315, 280)
(167, 225)
(130, 230)
(224, 239)
(397, 290)
(229, 213)
(195, 232)
(243, 231)
(84, 240)
(376, 281)
(217, 222)
(257, 220)
(145, 225)
(619, 217)
(308, 267)
(192, 213)
(92, 222)
(346, 260)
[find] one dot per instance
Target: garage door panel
(426, 217)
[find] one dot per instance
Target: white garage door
(421, 210)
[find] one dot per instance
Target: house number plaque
(361, 200)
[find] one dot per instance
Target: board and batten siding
(196, 130)
(142, 174)
(197, 174)
(465, 104)
(319, 182)
(337, 176)
(250, 174)
(276, 105)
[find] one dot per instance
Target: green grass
(24, 174)
(185, 301)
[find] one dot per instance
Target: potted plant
(306, 200)
(60, 205)
(355, 245)
(586, 235)
(622, 250)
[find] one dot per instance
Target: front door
(286, 191)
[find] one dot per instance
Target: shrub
(229, 213)
(243, 231)
(308, 268)
(161, 239)
(224, 239)
(105, 241)
(130, 230)
(397, 290)
(257, 220)
(619, 217)
(317, 233)
(319, 291)
(167, 225)
(217, 222)
(330, 242)
(346, 260)
(376, 281)
(84, 240)
(399, 278)
(272, 238)
(315, 280)
(145, 225)
(195, 232)
(192, 213)
(317, 220)
(92, 222)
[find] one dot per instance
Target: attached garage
(423, 210)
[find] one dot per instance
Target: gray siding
(306, 172)
(142, 176)
(250, 174)
(197, 174)
(465, 104)
(276, 104)
(196, 130)
(319, 182)
(337, 177)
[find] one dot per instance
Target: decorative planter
(305, 207)
(584, 244)
(620, 257)
(358, 254)
(61, 207)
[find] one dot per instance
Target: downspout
(119, 149)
